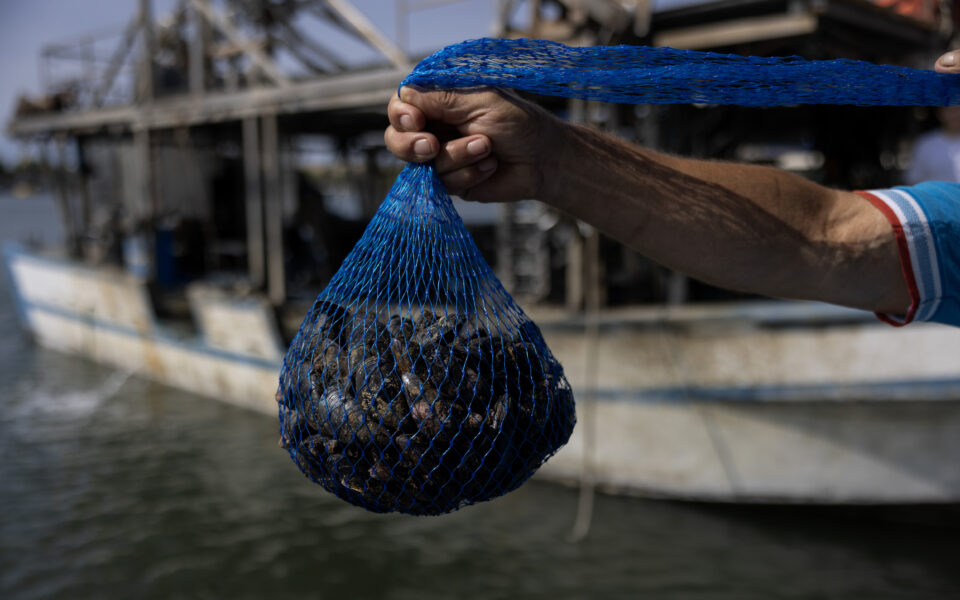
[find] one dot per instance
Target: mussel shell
(316, 446)
(353, 483)
(329, 320)
(357, 428)
(375, 377)
(291, 427)
(472, 424)
(415, 389)
(401, 356)
(401, 328)
(410, 452)
(371, 333)
(295, 384)
(431, 361)
(437, 420)
(338, 465)
(423, 409)
(310, 467)
(356, 355)
(374, 493)
(459, 382)
(426, 318)
(331, 370)
(498, 413)
(390, 411)
(442, 331)
(381, 471)
(328, 413)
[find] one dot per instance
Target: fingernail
(949, 60)
(477, 147)
(422, 146)
(486, 165)
(406, 121)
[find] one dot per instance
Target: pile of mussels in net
(421, 415)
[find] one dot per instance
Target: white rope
(587, 402)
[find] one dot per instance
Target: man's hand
(487, 145)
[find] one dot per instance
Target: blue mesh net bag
(646, 75)
(416, 384)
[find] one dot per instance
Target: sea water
(112, 486)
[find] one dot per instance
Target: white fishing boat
(739, 402)
(734, 401)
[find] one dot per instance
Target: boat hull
(768, 402)
(106, 316)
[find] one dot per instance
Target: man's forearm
(744, 227)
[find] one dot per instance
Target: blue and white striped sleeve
(926, 222)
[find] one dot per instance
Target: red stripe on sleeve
(905, 264)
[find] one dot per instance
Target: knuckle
(494, 95)
(398, 143)
(448, 97)
(393, 108)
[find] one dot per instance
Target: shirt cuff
(888, 206)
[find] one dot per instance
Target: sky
(26, 26)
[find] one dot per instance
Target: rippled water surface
(115, 487)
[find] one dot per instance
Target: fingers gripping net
(644, 75)
(415, 383)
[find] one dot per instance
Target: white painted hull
(106, 316)
(773, 402)
(829, 452)
(817, 405)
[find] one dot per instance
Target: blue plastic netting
(644, 75)
(415, 383)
